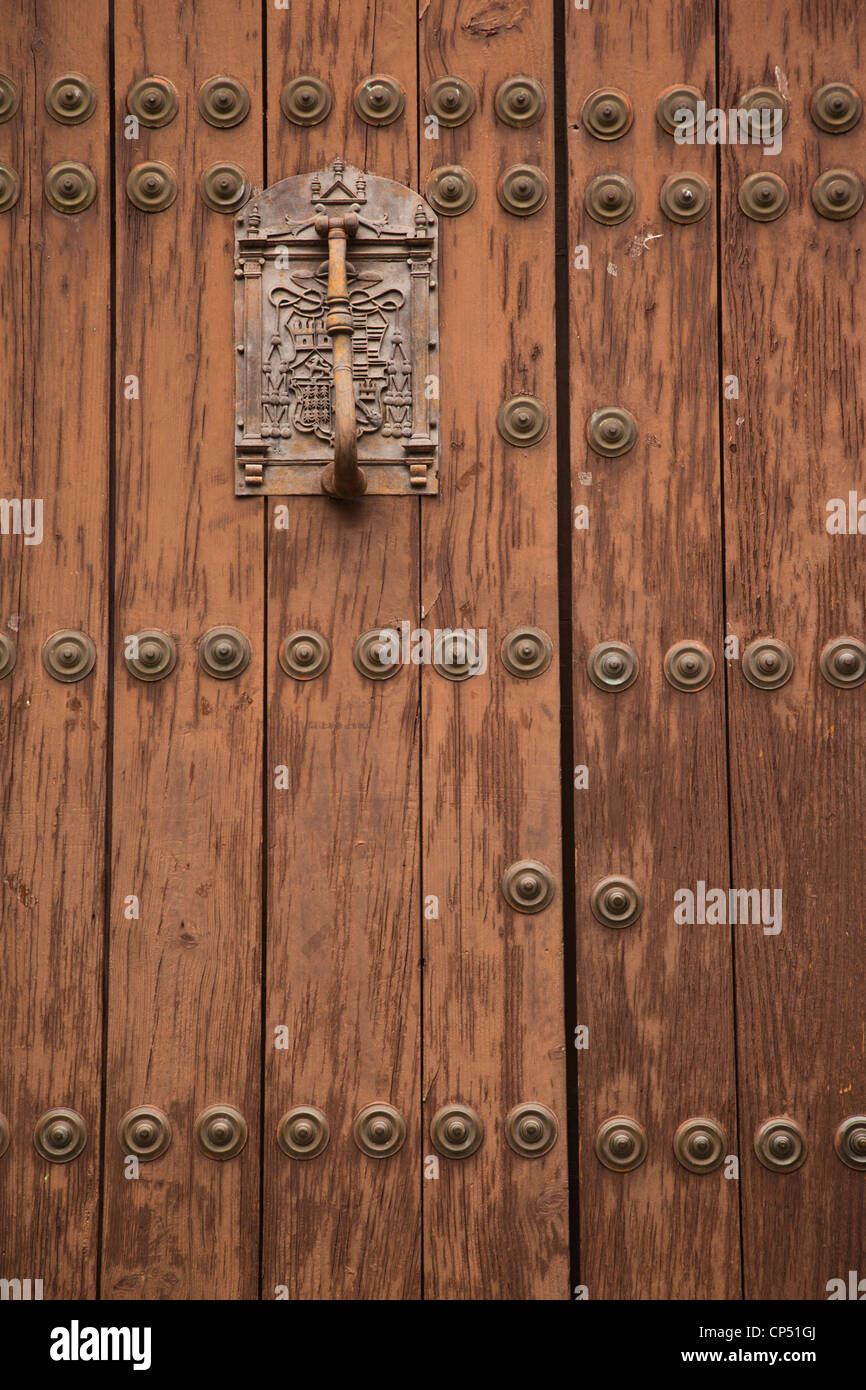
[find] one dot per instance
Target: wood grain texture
(496, 1225)
(656, 996)
(54, 303)
(184, 979)
(793, 319)
(343, 942)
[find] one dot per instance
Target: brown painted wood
(494, 1029)
(656, 996)
(54, 302)
(343, 885)
(184, 979)
(793, 329)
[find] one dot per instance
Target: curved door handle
(343, 477)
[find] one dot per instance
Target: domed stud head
(673, 102)
(224, 187)
(379, 1130)
(380, 100)
(144, 1132)
(373, 657)
(150, 655)
(306, 100)
(765, 99)
(451, 190)
(621, 1143)
(303, 1132)
(838, 194)
(9, 98)
(220, 1131)
(836, 107)
(5, 1135)
(612, 666)
(527, 652)
(457, 655)
(523, 190)
(843, 662)
(768, 663)
(780, 1145)
(151, 186)
(451, 100)
(523, 421)
(224, 101)
(528, 886)
(7, 655)
(531, 1129)
(70, 187)
(763, 197)
(689, 666)
(10, 187)
(305, 654)
(519, 101)
(153, 101)
(700, 1144)
(607, 113)
(456, 1131)
(224, 653)
(849, 1141)
(610, 198)
(70, 99)
(616, 901)
(69, 655)
(611, 431)
(685, 198)
(60, 1135)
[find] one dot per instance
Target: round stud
(69, 655)
(60, 1135)
(144, 1132)
(621, 1143)
(836, 107)
(700, 1144)
(224, 101)
(7, 655)
(616, 901)
(70, 187)
(70, 99)
(380, 100)
(768, 663)
(153, 655)
(519, 101)
(451, 100)
(10, 188)
(220, 1131)
(763, 197)
(306, 100)
(379, 1130)
(849, 1141)
(152, 186)
(689, 666)
(303, 1132)
(527, 652)
(685, 198)
(610, 198)
(451, 190)
(531, 1129)
(522, 190)
(4, 1135)
(153, 101)
(305, 655)
(780, 1145)
(456, 655)
(224, 653)
(765, 98)
(843, 662)
(612, 666)
(373, 657)
(674, 101)
(456, 1131)
(224, 187)
(607, 113)
(528, 886)
(522, 421)
(611, 431)
(8, 98)
(837, 194)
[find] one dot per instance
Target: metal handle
(343, 477)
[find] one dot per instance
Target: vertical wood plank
(184, 981)
(54, 307)
(655, 996)
(794, 324)
(343, 891)
(496, 1224)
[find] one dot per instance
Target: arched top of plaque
(336, 268)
